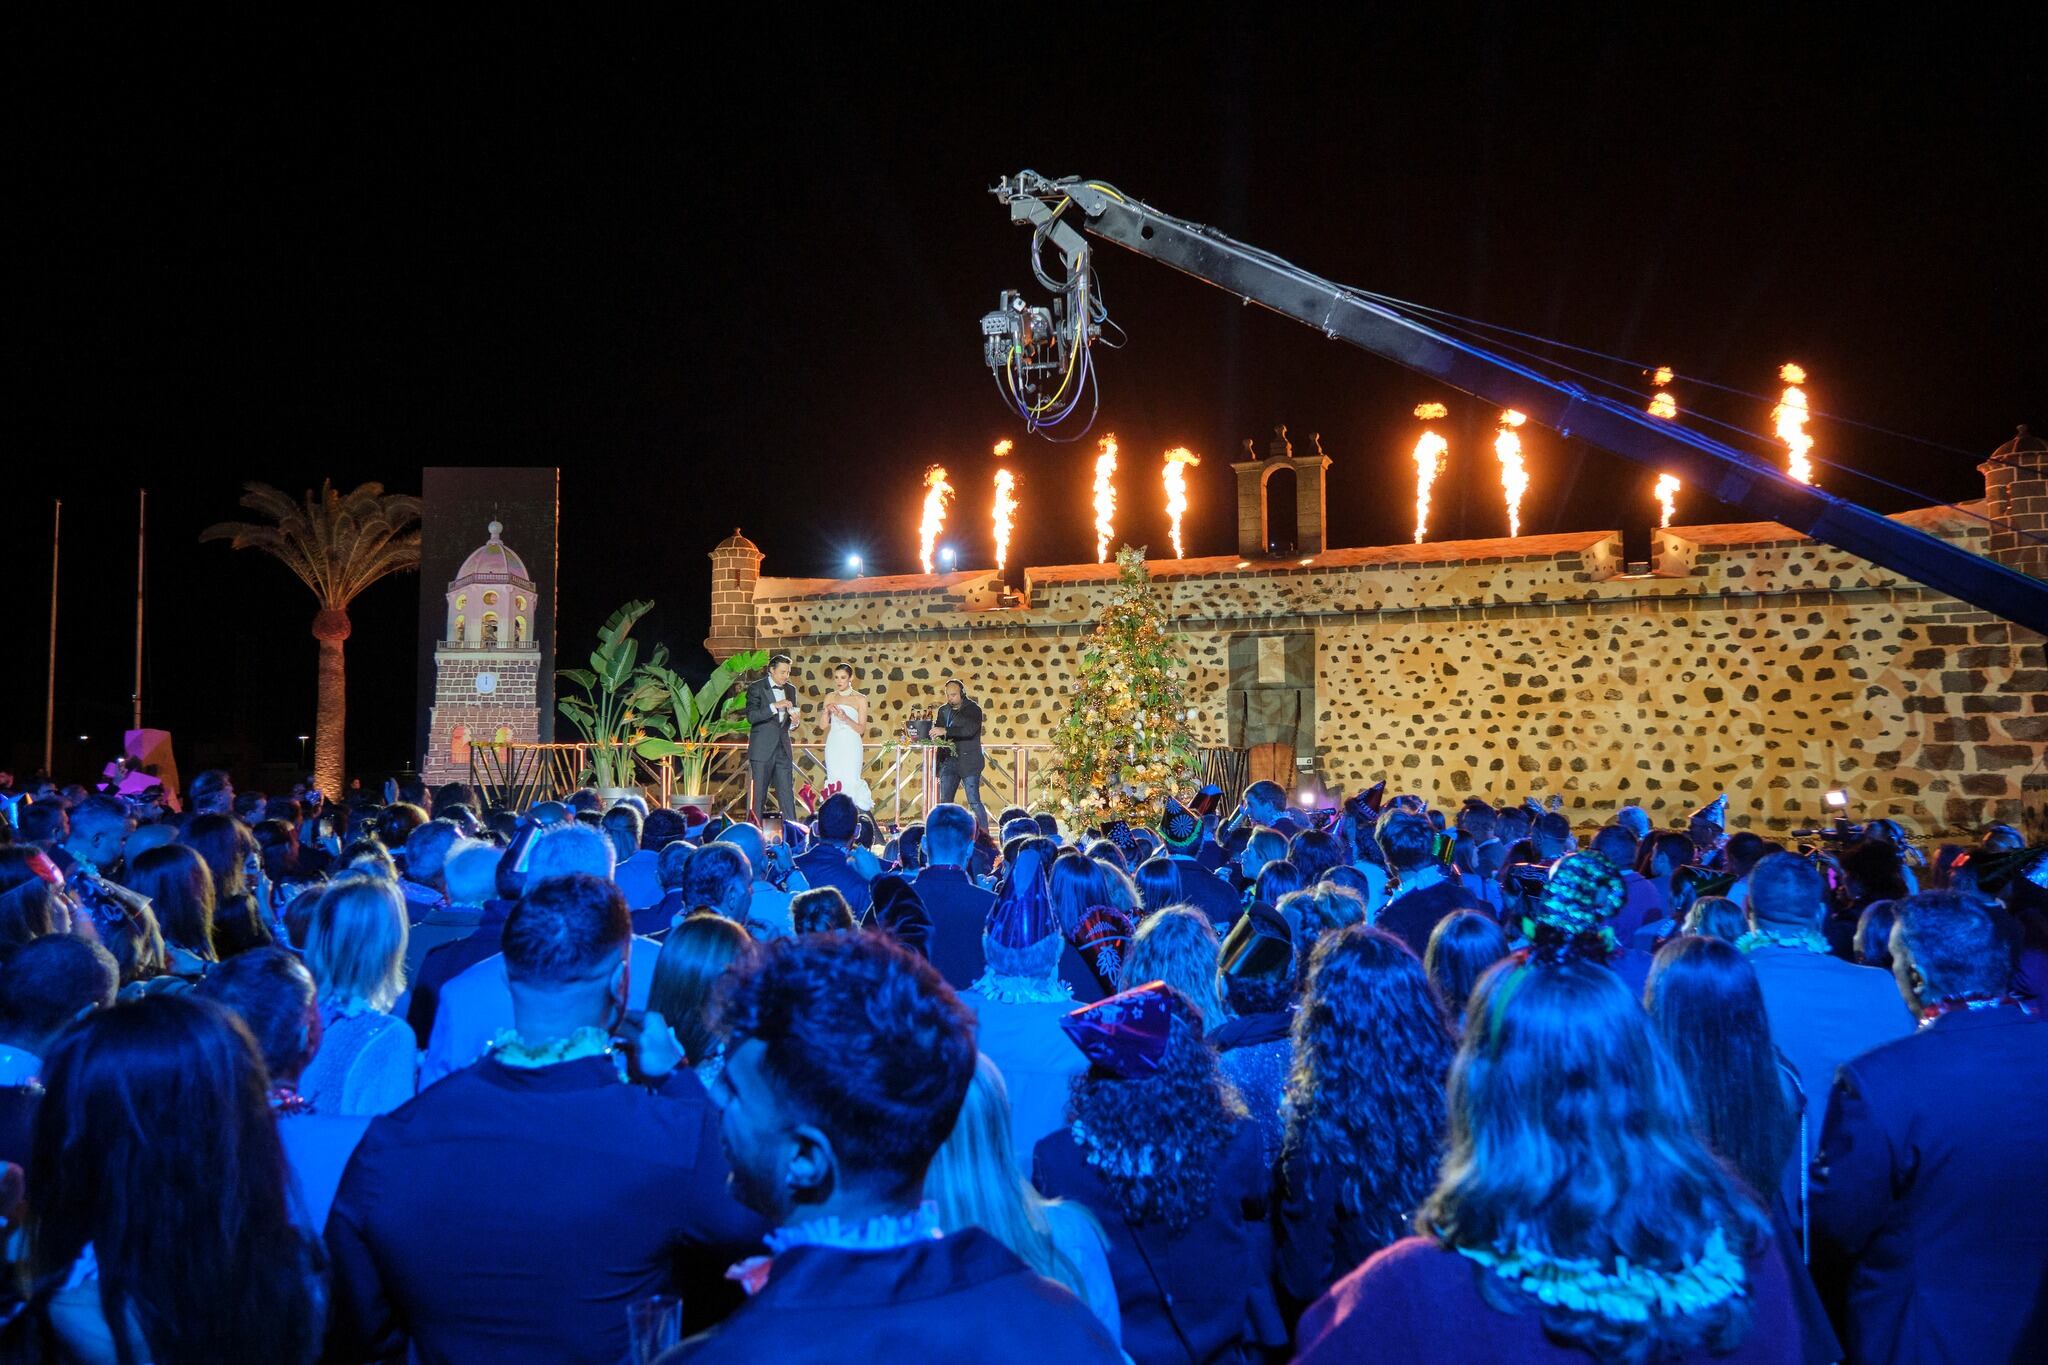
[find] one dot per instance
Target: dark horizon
(742, 287)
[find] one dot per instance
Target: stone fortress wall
(1742, 658)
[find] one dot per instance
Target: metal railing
(903, 777)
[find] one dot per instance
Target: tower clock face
(486, 683)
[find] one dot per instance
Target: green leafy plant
(697, 716)
(618, 705)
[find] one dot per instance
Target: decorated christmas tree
(1125, 742)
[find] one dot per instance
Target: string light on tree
(1514, 474)
(1667, 496)
(1175, 476)
(937, 493)
(1790, 419)
(1105, 496)
(1005, 505)
(1431, 454)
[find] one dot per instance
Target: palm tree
(338, 544)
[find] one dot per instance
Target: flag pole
(141, 525)
(50, 701)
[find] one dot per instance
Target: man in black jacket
(958, 908)
(831, 1142)
(959, 723)
(771, 713)
(1428, 890)
(1920, 1221)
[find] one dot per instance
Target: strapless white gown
(844, 756)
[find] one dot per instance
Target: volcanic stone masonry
(1746, 659)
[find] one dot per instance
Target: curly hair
(1178, 946)
(1156, 1142)
(863, 1039)
(1365, 1097)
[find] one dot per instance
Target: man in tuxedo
(960, 721)
(771, 711)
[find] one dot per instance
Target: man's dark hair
(99, 815)
(270, 990)
(584, 799)
(838, 817)
(662, 828)
(1785, 888)
(1010, 813)
(1407, 841)
(564, 929)
(1617, 846)
(413, 791)
(949, 835)
(453, 794)
(774, 659)
(820, 910)
(1553, 826)
(624, 825)
(1745, 850)
(887, 1104)
(395, 824)
(1048, 824)
(248, 807)
(1023, 827)
(46, 982)
(710, 873)
(43, 823)
(1268, 793)
(1962, 943)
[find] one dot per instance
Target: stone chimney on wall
(735, 568)
(2016, 489)
(1311, 502)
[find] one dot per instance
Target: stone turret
(1311, 501)
(735, 569)
(2016, 489)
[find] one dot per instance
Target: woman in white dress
(844, 718)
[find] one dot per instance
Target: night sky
(734, 279)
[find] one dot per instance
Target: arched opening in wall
(455, 635)
(490, 640)
(519, 630)
(1282, 529)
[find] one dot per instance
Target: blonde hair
(356, 945)
(1178, 946)
(974, 1182)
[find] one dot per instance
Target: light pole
(302, 752)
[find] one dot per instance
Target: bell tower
(1311, 501)
(486, 663)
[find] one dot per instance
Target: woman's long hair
(974, 1181)
(1572, 1136)
(180, 889)
(1156, 1141)
(1704, 1000)
(1159, 885)
(1076, 885)
(356, 943)
(224, 843)
(1366, 1094)
(1461, 947)
(1179, 947)
(694, 959)
(154, 1143)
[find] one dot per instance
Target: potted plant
(696, 716)
(612, 712)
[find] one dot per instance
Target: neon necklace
(1964, 1004)
(1806, 940)
(1627, 1293)
(589, 1041)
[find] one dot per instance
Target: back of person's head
(154, 1144)
(136, 941)
(1264, 845)
(1048, 824)
(370, 858)
(838, 817)
(143, 838)
(1704, 999)
(1407, 840)
(1952, 946)
(1663, 854)
(210, 793)
(1278, 880)
(1553, 834)
(585, 801)
(46, 822)
(1350, 877)
(453, 794)
(570, 849)
(749, 840)
(1617, 845)
(1532, 1163)
(1076, 886)
(1315, 912)
(718, 878)
(1012, 814)
(1716, 917)
(1461, 947)
(1874, 933)
(675, 855)
(566, 931)
(1019, 827)
(948, 835)
(882, 1108)
(426, 850)
(1874, 867)
(1786, 889)
(395, 824)
(1365, 1094)
(1179, 946)
(99, 823)
(180, 889)
(412, 790)
(355, 946)
(46, 984)
(224, 842)
(470, 872)
(694, 959)
(820, 910)
(272, 993)
(1159, 884)
(1314, 852)
(1745, 850)
(248, 806)
(974, 1182)
(662, 828)
(623, 823)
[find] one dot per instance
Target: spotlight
(854, 564)
(1837, 798)
(1307, 798)
(946, 557)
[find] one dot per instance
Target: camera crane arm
(1728, 475)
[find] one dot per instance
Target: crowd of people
(425, 1079)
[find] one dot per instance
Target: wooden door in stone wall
(1272, 702)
